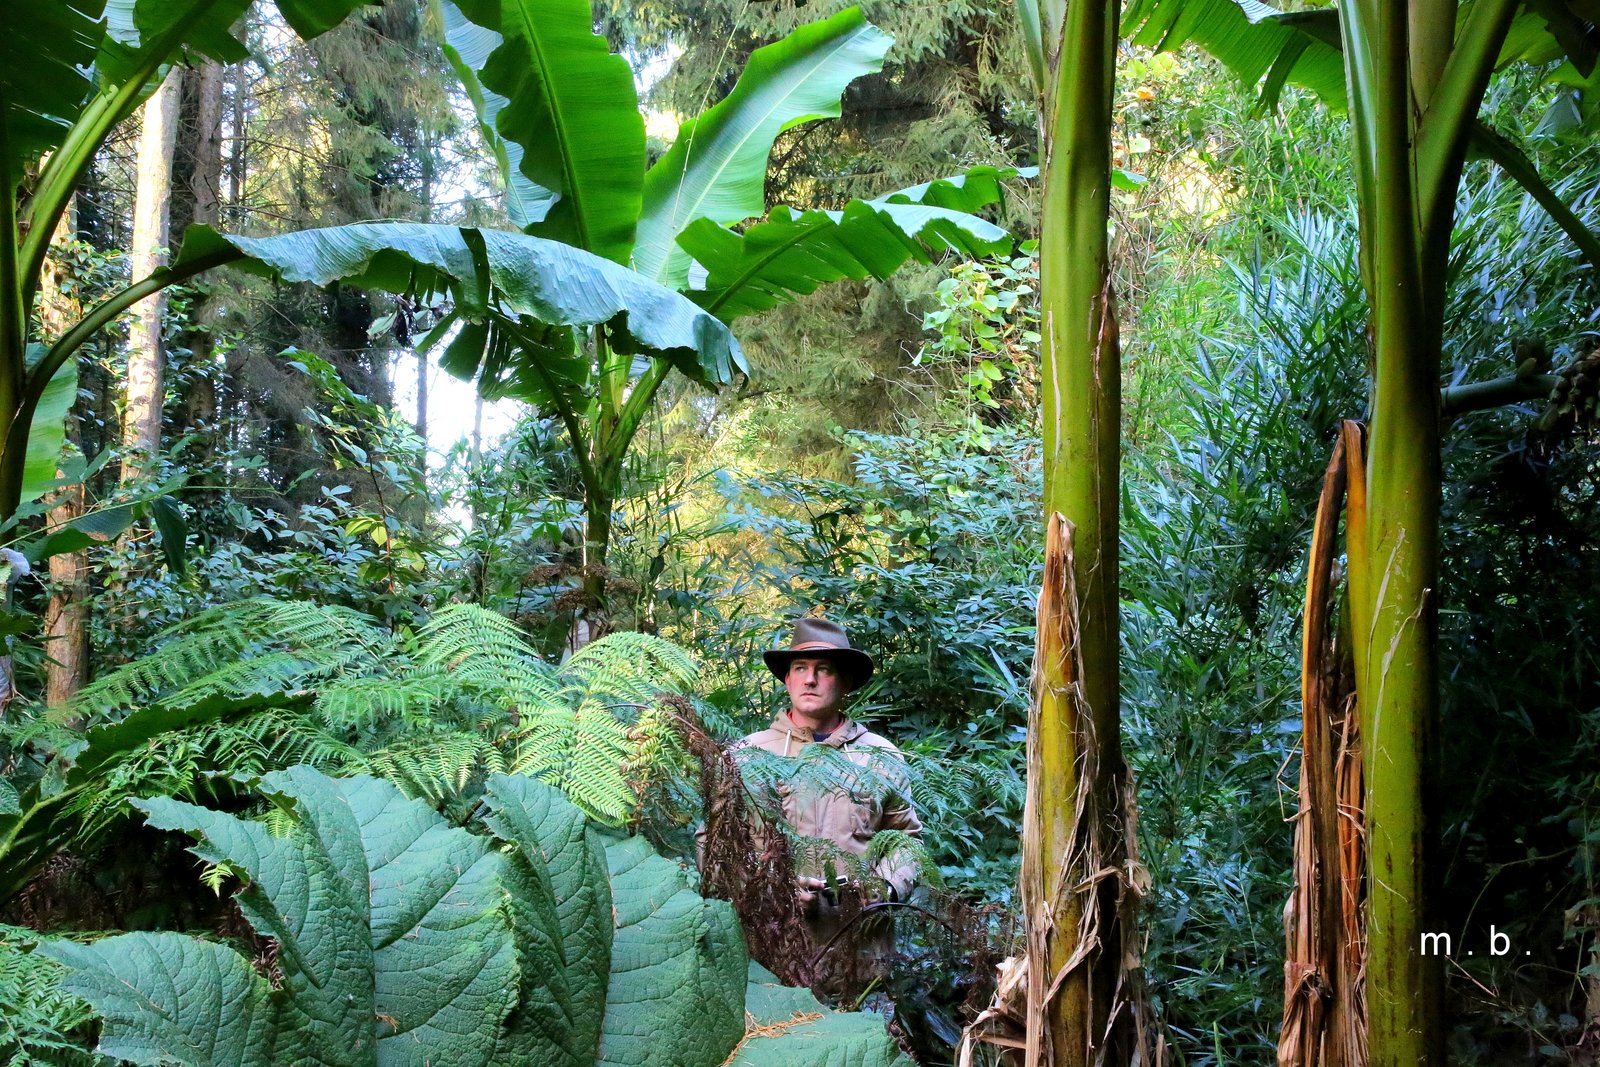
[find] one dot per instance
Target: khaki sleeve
(899, 869)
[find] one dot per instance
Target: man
(819, 669)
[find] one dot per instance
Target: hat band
(820, 645)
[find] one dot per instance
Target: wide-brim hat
(822, 639)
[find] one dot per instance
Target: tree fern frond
(461, 632)
(362, 702)
(632, 667)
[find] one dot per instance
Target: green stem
(1078, 724)
(1452, 110)
(14, 310)
(1397, 685)
(1481, 396)
(632, 414)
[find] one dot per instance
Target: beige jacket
(876, 798)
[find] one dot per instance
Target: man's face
(815, 687)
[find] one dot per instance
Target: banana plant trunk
(1416, 80)
(1080, 868)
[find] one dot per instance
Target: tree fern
(436, 710)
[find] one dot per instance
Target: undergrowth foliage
(37, 1017)
(241, 691)
(434, 709)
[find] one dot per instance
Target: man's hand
(810, 893)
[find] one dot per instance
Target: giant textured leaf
(717, 167)
(790, 1028)
(666, 938)
(561, 911)
(793, 253)
(402, 940)
(560, 113)
(390, 938)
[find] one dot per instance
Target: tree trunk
(199, 157)
(1081, 877)
(66, 614)
(1417, 74)
(141, 423)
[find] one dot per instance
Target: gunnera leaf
(391, 938)
(788, 1027)
(560, 906)
(405, 941)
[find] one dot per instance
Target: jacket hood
(848, 729)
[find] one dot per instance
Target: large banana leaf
(517, 296)
(717, 167)
(404, 941)
(48, 431)
(1253, 40)
(560, 113)
(795, 252)
(46, 51)
(57, 56)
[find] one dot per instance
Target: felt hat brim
(855, 665)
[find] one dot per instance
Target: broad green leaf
(46, 51)
(145, 986)
(403, 940)
(1261, 45)
(10, 803)
(141, 34)
(168, 516)
(665, 940)
(560, 113)
(717, 167)
(526, 291)
(391, 940)
(561, 913)
(790, 1028)
(48, 432)
(793, 253)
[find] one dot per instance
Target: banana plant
(1079, 863)
(75, 69)
(1414, 73)
(560, 114)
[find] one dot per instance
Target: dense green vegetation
(752, 328)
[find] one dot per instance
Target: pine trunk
(141, 423)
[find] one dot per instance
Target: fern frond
(360, 703)
(240, 648)
(631, 667)
(460, 632)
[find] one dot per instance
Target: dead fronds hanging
(746, 864)
(1324, 1011)
(1081, 980)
